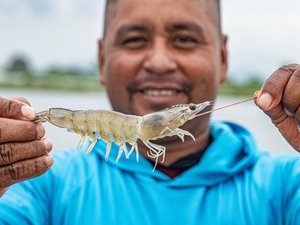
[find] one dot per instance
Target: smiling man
(155, 54)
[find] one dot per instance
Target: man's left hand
(279, 98)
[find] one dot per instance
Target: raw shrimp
(111, 126)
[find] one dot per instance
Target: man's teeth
(163, 92)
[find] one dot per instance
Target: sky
(263, 35)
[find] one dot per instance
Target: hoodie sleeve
(24, 203)
(292, 193)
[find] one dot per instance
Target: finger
(20, 99)
(2, 191)
(286, 125)
(16, 110)
(297, 117)
(271, 93)
(19, 130)
(13, 152)
(291, 96)
(24, 170)
(264, 101)
(273, 97)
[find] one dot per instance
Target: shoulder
(281, 171)
(267, 169)
(281, 164)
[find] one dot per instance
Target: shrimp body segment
(111, 126)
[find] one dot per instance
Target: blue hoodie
(234, 183)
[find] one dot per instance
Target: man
(155, 54)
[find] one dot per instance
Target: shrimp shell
(111, 126)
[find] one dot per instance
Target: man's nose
(159, 59)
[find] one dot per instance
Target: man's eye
(134, 42)
(184, 42)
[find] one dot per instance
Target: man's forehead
(114, 2)
(212, 8)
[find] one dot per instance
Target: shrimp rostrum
(111, 126)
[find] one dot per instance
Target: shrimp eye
(192, 107)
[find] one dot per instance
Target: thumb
(15, 109)
(271, 106)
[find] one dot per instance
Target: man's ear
(101, 61)
(224, 59)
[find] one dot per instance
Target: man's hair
(108, 5)
(216, 17)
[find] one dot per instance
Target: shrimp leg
(134, 146)
(177, 131)
(158, 151)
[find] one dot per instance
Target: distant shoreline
(83, 84)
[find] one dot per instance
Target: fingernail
(28, 112)
(40, 131)
(49, 160)
(48, 144)
(298, 126)
(256, 93)
(265, 101)
(288, 112)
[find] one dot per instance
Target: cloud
(51, 31)
(44, 8)
(262, 35)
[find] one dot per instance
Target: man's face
(159, 53)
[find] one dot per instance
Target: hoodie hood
(232, 151)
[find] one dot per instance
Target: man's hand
(279, 98)
(23, 150)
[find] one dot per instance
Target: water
(246, 114)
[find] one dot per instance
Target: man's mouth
(159, 88)
(161, 97)
(160, 92)
(158, 95)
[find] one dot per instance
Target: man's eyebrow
(185, 26)
(131, 28)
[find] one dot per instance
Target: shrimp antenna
(226, 106)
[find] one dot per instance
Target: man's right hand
(23, 148)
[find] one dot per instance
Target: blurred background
(49, 49)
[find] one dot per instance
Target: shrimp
(111, 126)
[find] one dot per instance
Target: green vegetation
(63, 82)
(19, 75)
(246, 89)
